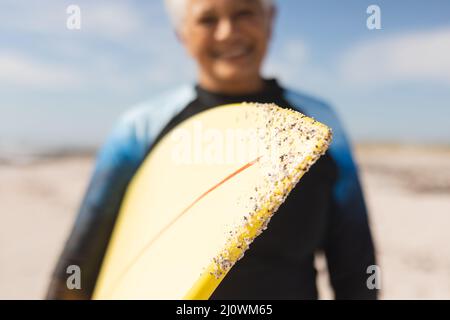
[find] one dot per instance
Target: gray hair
(176, 9)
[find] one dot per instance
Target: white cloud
(31, 17)
(108, 20)
(20, 70)
(46, 55)
(418, 57)
(112, 20)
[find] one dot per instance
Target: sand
(407, 191)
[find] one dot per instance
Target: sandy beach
(407, 191)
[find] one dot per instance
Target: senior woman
(228, 40)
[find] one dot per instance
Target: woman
(228, 39)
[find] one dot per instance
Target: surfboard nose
(225, 195)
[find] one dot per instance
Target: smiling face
(228, 39)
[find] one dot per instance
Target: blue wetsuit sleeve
(348, 241)
(348, 244)
(116, 164)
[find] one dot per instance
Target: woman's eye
(244, 14)
(207, 20)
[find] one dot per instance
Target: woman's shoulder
(307, 102)
(314, 107)
(149, 117)
(322, 111)
(160, 105)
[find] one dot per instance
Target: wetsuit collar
(268, 94)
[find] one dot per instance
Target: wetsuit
(325, 212)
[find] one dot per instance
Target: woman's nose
(224, 30)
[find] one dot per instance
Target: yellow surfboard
(202, 195)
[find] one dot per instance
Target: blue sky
(63, 88)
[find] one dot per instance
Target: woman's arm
(116, 164)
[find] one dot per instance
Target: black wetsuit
(325, 212)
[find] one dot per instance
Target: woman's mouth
(233, 54)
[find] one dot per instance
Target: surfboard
(202, 195)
